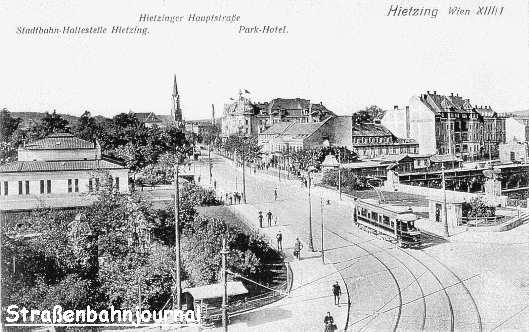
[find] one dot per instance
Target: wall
(394, 120)
(519, 149)
(340, 130)
(45, 155)
(514, 129)
(422, 126)
(59, 196)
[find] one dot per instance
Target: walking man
(336, 291)
(275, 194)
(269, 218)
(279, 238)
(297, 249)
(260, 219)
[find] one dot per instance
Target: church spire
(175, 87)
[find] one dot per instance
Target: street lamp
(322, 227)
(311, 243)
(443, 181)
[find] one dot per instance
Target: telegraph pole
(322, 236)
(243, 175)
(311, 244)
(224, 252)
(443, 180)
(339, 174)
(177, 294)
(209, 162)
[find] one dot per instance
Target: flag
(246, 91)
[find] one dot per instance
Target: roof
(216, 290)
(148, 117)
(60, 141)
(439, 158)
(49, 166)
(370, 129)
(453, 103)
(293, 129)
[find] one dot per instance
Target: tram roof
(405, 213)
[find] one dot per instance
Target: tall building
(443, 124)
(176, 111)
(244, 117)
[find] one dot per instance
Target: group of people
(268, 218)
(233, 198)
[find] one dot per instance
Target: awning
(216, 290)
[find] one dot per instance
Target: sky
(347, 54)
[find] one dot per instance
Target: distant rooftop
(49, 166)
(60, 141)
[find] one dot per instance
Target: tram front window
(411, 226)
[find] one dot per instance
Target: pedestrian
(231, 199)
(336, 291)
(260, 219)
(297, 248)
(329, 323)
(275, 194)
(238, 198)
(199, 178)
(279, 238)
(269, 218)
(226, 200)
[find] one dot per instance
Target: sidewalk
(311, 294)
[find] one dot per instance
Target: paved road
(445, 286)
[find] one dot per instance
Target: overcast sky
(347, 54)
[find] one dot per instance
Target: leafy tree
(87, 127)
(8, 125)
(49, 124)
(350, 181)
(368, 115)
(477, 208)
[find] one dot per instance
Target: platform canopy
(216, 290)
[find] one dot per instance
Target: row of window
(45, 186)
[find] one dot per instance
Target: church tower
(176, 111)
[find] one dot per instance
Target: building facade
(246, 118)
(59, 171)
(448, 125)
(517, 128)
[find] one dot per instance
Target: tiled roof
(148, 117)
(293, 129)
(370, 129)
(48, 166)
(277, 128)
(60, 141)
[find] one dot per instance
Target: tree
(87, 127)
(8, 125)
(49, 124)
(368, 115)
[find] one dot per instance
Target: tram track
(386, 267)
(460, 281)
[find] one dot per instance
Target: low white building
(516, 129)
(59, 171)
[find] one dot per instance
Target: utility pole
(311, 244)
(209, 162)
(224, 252)
(444, 202)
(322, 236)
(177, 295)
(339, 174)
(243, 175)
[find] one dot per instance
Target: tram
(393, 223)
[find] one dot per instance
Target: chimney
(457, 94)
(212, 114)
(396, 107)
(435, 92)
(451, 94)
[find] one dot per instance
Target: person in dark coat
(260, 219)
(279, 238)
(336, 291)
(269, 218)
(329, 323)
(297, 249)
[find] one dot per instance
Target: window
(374, 216)
(6, 188)
(48, 186)
(70, 185)
(117, 184)
(90, 187)
(76, 185)
(42, 186)
(97, 183)
(27, 187)
(20, 188)
(385, 220)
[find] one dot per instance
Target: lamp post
(311, 243)
(322, 233)
(443, 181)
